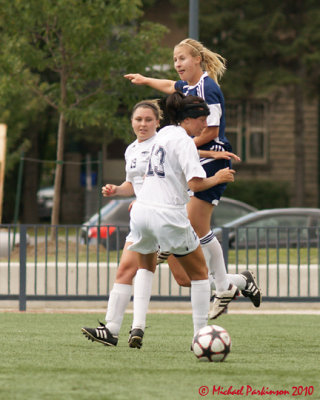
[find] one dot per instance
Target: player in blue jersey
(199, 70)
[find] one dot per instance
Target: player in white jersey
(145, 120)
(159, 217)
(199, 70)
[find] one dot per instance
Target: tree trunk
(60, 150)
(30, 213)
(58, 175)
(299, 147)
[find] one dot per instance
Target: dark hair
(179, 107)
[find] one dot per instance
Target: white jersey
(137, 156)
(173, 162)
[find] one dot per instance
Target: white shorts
(167, 229)
(129, 237)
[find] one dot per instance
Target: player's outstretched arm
(163, 85)
(218, 155)
(222, 176)
(125, 190)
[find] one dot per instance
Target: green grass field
(45, 356)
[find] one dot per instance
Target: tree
(269, 45)
(72, 54)
(20, 110)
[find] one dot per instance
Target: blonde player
(200, 70)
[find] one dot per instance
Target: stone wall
(281, 159)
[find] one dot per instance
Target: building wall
(281, 161)
(114, 171)
(312, 154)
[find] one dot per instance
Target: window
(247, 130)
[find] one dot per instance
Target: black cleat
(252, 290)
(101, 335)
(135, 338)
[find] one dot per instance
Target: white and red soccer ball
(211, 343)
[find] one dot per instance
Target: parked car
(114, 220)
(278, 227)
(114, 224)
(45, 202)
(228, 210)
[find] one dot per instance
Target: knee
(183, 281)
(200, 273)
(126, 273)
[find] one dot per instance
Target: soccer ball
(211, 343)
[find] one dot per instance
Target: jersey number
(156, 162)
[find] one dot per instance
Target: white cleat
(222, 300)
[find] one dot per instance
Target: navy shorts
(213, 194)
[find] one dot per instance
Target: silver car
(278, 227)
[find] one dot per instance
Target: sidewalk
(99, 307)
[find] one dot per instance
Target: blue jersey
(208, 90)
(211, 93)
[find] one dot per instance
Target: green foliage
(73, 54)
(260, 194)
(18, 107)
(265, 43)
(46, 357)
(70, 56)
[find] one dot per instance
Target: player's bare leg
(178, 272)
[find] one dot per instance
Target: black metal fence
(69, 262)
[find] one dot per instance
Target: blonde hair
(211, 62)
(152, 104)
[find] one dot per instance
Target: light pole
(194, 19)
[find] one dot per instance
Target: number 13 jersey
(173, 162)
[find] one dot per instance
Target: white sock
(118, 301)
(200, 300)
(211, 281)
(237, 279)
(141, 297)
(214, 258)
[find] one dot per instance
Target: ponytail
(179, 107)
